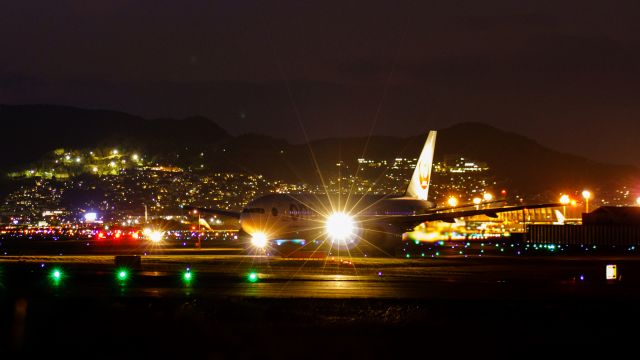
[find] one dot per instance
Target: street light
(197, 212)
(586, 194)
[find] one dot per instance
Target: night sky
(565, 73)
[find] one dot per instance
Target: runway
(222, 275)
(347, 306)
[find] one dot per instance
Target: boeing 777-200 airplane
(373, 223)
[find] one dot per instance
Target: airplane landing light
(340, 226)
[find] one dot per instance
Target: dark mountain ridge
(524, 165)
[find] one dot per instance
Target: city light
(340, 226)
(259, 240)
(453, 202)
(90, 217)
(565, 200)
(477, 200)
(487, 197)
(135, 157)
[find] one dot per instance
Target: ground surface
(333, 307)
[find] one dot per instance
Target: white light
(90, 217)
(487, 196)
(135, 157)
(586, 194)
(259, 240)
(453, 202)
(340, 226)
(638, 201)
(156, 236)
(477, 200)
(611, 272)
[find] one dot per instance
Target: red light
(504, 192)
(193, 228)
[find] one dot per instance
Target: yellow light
(95, 169)
(586, 194)
(477, 200)
(564, 199)
(340, 226)
(638, 201)
(574, 203)
(453, 202)
(135, 157)
(259, 240)
(487, 196)
(611, 272)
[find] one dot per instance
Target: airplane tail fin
(419, 185)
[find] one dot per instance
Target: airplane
(373, 224)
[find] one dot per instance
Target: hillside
(521, 163)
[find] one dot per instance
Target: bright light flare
(586, 194)
(487, 197)
(638, 201)
(453, 202)
(477, 200)
(252, 277)
(156, 236)
(340, 226)
(259, 240)
(565, 199)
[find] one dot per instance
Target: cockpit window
(253, 211)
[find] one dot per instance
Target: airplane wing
(408, 222)
(225, 213)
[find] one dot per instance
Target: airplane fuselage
(286, 216)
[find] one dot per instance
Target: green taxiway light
(56, 275)
(122, 274)
(187, 276)
(253, 276)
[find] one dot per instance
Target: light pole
(197, 212)
(586, 195)
(564, 200)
